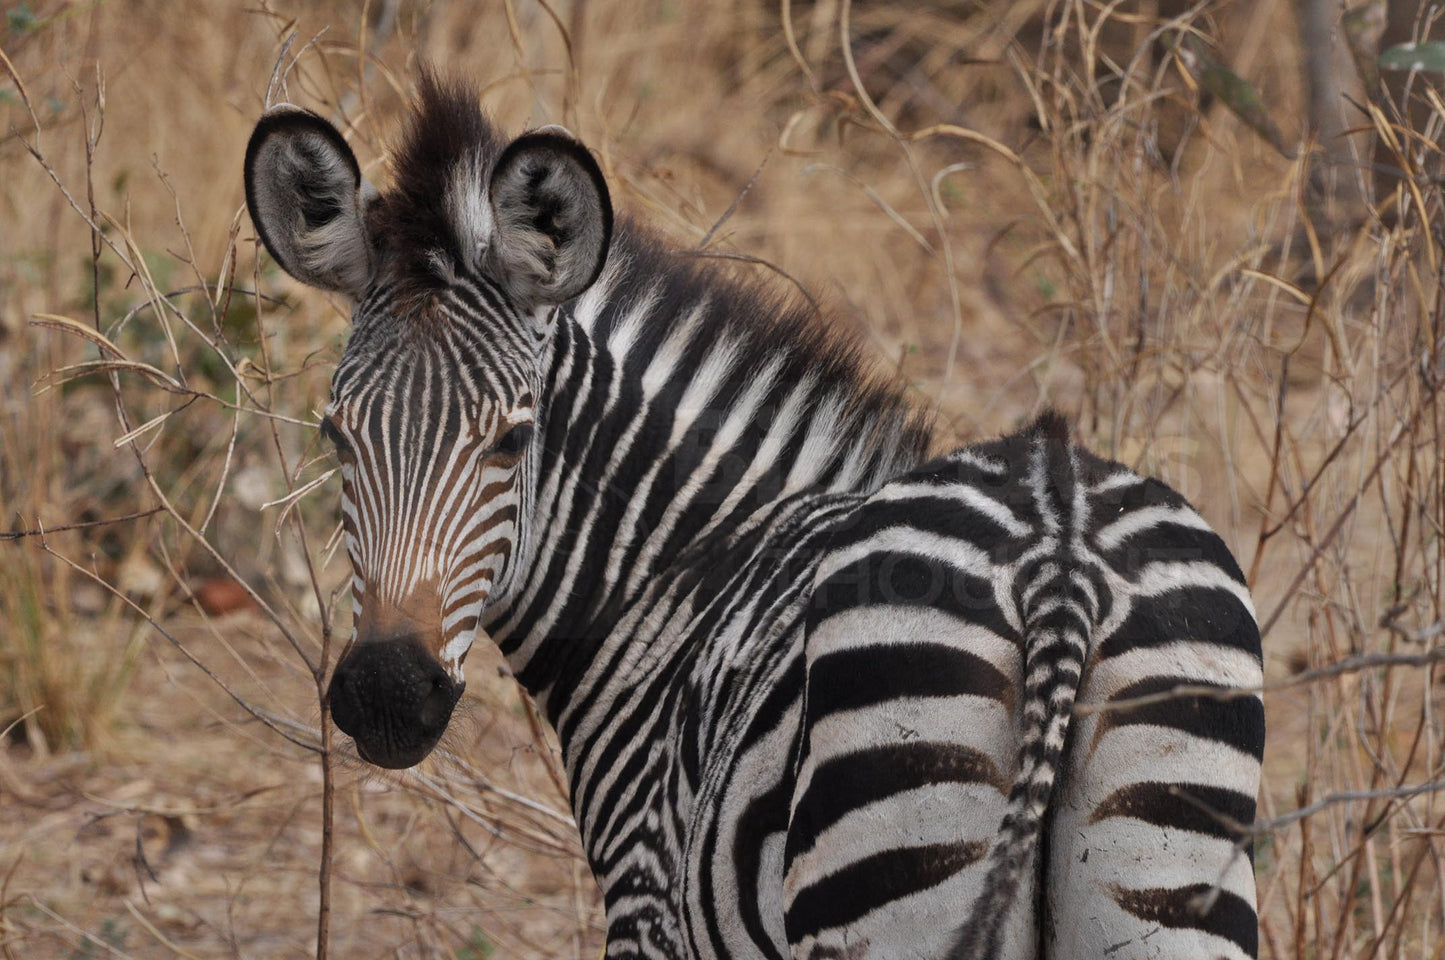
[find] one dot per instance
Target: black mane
(447, 130)
(765, 324)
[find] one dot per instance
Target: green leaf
(1429, 57)
(1237, 93)
(478, 947)
(20, 18)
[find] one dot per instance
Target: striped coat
(816, 694)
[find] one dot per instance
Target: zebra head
(456, 272)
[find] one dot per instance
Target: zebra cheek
(454, 652)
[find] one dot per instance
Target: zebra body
(948, 583)
(814, 694)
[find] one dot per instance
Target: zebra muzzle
(393, 699)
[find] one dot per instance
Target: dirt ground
(197, 834)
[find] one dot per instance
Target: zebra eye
(329, 431)
(514, 441)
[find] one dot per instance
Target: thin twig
(1368, 661)
(185, 651)
(41, 531)
(707, 237)
(759, 261)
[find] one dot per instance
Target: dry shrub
(1019, 204)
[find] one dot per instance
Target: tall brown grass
(1019, 204)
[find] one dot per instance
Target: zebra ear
(551, 217)
(307, 199)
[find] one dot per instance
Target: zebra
(818, 694)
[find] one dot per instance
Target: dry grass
(1012, 223)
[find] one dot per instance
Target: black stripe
(643, 721)
(1231, 917)
(867, 676)
(943, 516)
(859, 888)
(1063, 618)
(1113, 503)
(1170, 542)
(843, 784)
(1196, 807)
(1195, 614)
(1237, 722)
(766, 815)
(888, 577)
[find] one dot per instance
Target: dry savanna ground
(1013, 204)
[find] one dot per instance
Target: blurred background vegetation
(1210, 233)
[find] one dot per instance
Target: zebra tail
(1058, 611)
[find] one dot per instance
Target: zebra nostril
(436, 707)
(345, 708)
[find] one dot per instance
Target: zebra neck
(684, 414)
